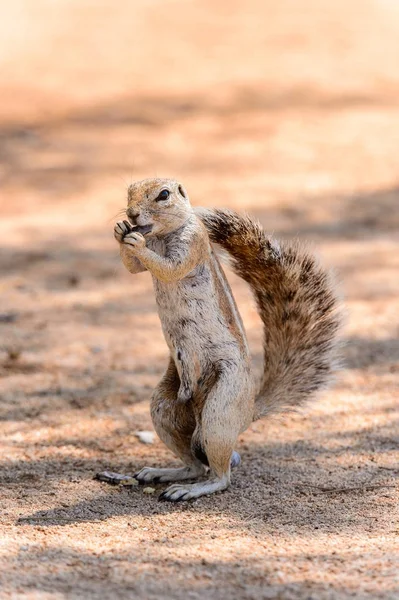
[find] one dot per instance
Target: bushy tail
(297, 305)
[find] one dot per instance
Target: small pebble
(148, 490)
(146, 437)
(129, 482)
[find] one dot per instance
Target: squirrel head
(157, 206)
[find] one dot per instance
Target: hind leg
(226, 413)
(174, 423)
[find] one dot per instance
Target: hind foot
(147, 474)
(178, 493)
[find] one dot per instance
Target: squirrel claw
(165, 498)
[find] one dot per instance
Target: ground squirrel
(208, 394)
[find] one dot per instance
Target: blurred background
(289, 110)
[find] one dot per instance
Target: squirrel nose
(132, 215)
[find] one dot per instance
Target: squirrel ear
(181, 190)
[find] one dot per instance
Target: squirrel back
(296, 302)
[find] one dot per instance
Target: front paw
(135, 240)
(121, 229)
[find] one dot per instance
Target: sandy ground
(286, 109)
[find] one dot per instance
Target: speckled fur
(208, 394)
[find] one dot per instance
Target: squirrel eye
(164, 195)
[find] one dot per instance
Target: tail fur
(297, 305)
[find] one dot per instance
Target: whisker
(123, 179)
(120, 213)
